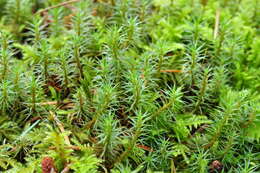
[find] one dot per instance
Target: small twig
(48, 103)
(64, 104)
(217, 18)
(165, 106)
(146, 148)
(34, 119)
(58, 5)
(68, 106)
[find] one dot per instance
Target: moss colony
(129, 86)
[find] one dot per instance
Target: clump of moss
(129, 86)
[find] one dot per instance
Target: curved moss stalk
(192, 67)
(45, 68)
(4, 98)
(33, 94)
(202, 92)
(161, 109)
(97, 115)
(220, 43)
(5, 63)
(17, 11)
(221, 125)
(218, 131)
(159, 66)
(65, 72)
(77, 59)
(138, 130)
(4, 55)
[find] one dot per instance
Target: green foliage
(130, 86)
(86, 163)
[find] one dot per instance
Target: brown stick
(216, 29)
(48, 103)
(67, 104)
(58, 5)
(146, 148)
